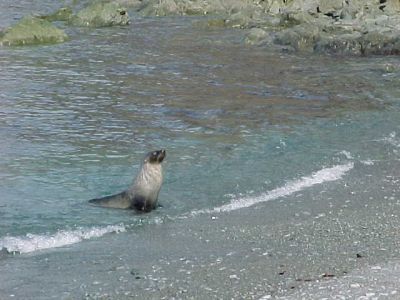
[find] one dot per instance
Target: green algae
(97, 14)
(63, 14)
(31, 31)
(101, 15)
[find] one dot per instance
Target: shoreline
(275, 249)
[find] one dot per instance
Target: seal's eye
(122, 13)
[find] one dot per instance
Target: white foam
(321, 176)
(392, 139)
(347, 154)
(34, 242)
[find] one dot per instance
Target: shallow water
(78, 117)
(241, 125)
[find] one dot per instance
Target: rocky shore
(347, 27)
(350, 27)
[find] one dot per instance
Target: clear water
(237, 122)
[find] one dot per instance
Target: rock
(343, 44)
(296, 18)
(378, 43)
(4, 252)
(300, 37)
(216, 22)
(101, 14)
(136, 274)
(256, 36)
(390, 6)
(346, 27)
(195, 7)
(30, 31)
(98, 14)
(390, 68)
(162, 8)
(130, 3)
(329, 7)
(63, 14)
(247, 18)
(328, 275)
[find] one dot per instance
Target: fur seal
(142, 195)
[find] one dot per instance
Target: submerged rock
(4, 253)
(30, 31)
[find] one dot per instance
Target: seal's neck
(150, 173)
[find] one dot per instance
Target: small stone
(135, 273)
(369, 295)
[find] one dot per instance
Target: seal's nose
(162, 155)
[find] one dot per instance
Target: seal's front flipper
(120, 200)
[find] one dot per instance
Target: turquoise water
(237, 122)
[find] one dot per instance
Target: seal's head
(155, 157)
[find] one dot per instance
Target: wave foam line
(321, 176)
(34, 242)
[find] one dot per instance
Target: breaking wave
(34, 242)
(291, 187)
